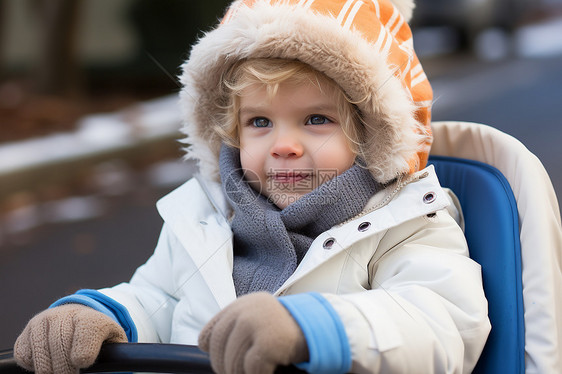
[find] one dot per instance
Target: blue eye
(317, 120)
(261, 122)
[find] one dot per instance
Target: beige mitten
(253, 335)
(63, 339)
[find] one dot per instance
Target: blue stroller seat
(513, 229)
(492, 233)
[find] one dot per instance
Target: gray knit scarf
(269, 243)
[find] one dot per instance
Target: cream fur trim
(290, 32)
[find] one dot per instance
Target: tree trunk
(57, 71)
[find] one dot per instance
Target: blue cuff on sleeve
(106, 305)
(324, 332)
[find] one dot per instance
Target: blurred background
(89, 122)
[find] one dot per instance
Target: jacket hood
(365, 47)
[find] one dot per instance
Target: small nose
(287, 145)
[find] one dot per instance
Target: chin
(283, 199)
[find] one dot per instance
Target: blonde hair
(272, 73)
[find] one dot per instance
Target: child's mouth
(289, 177)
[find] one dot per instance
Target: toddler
(314, 233)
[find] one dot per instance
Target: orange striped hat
(365, 46)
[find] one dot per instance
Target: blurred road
(521, 96)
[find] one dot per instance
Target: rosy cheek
(335, 162)
(251, 170)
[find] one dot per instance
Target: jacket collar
(416, 196)
(196, 213)
(202, 203)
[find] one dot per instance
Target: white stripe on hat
(352, 15)
(419, 79)
(406, 48)
(398, 24)
(388, 43)
(381, 38)
(392, 19)
(344, 10)
(377, 9)
(417, 70)
(424, 103)
(308, 3)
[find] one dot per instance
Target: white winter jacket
(398, 275)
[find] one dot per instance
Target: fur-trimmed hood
(365, 47)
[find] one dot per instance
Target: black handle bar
(144, 357)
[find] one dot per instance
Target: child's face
(292, 142)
